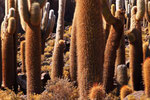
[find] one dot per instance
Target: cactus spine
(125, 90)
(9, 27)
(58, 62)
(33, 44)
(22, 48)
(90, 45)
(97, 93)
(73, 53)
(146, 74)
(136, 52)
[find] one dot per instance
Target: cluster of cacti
(136, 52)
(97, 53)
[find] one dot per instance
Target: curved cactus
(90, 45)
(146, 73)
(9, 28)
(33, 44)
(136, 52)
(112, 44)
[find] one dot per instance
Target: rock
(44, 78)
(21, 80)
(136, 94)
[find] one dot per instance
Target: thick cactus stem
(90, 45)
(112, 45)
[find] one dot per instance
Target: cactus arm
(140, 9)
(35, 12)
(146, 11)
(131, 36)
(11, 12)
(23, 10)
(113, 9)
(11, 25)
(110, 19)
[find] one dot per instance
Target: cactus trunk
(90, 45)
(33, 59)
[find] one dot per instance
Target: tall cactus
(112, 44)
(73, 51)
(56, 61)
(13, 4)
(146, 73)
(136, 52)
(32, 17)
(8, 30)
(90, 45)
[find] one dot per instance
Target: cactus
(125, 90)
(22, 49)
(8, 30)
(122, 77)
(73, 52)
(146, 50)
(97, 93)
(90, 45)
(60, 21)
(136, 52)
(33, 44)
(115, 34)
(47, 24)
(58, 63)
(146, 73)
